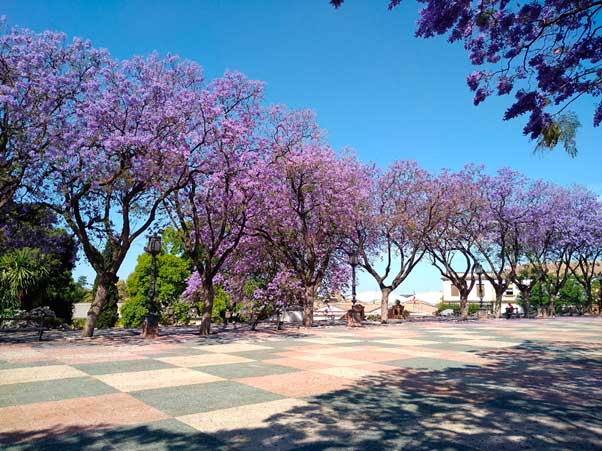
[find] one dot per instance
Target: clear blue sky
(374, 86)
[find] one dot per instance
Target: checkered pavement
(224, 391)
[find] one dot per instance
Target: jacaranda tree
(42, 76)
(310, 197)
(547, 53)
(212, 209)
(118, 158)
(402, 210)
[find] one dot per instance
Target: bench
(39, 328)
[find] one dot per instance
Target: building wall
(450, 293)
(419, 307)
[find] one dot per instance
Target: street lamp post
(479, 271)
(150, 328)
(599, 277)
(356, 313)
(353, 261)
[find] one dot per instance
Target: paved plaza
(518, 384)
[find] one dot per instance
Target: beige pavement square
(486, 343)
(232, 347)
(38, 373)
(146, 380)
(21, 354)
(190, 361)
(466, 336)
(242, 417)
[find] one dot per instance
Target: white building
(451, 294)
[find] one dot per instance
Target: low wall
(80, 309)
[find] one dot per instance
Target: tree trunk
(552, 306)
(590, 303)
(463, 305)
(384, 304)
(308, 306)
(526, 303)
(498, 304)
(102, 290)
(208, 296)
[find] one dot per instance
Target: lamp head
(353, 259)
(154, 245)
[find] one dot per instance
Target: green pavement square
(189, 399)
(452, 346)
(250, 369)
(122, 366)
(263, 354)
(52, 390)
(279, 345)
(426, 363)
(4, 365)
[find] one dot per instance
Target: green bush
(78, 323)
(133, 311)
(221, 303)
(473, 309)
(180, 313)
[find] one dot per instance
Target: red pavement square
(94, 412)
(298, 363)
(368, 356)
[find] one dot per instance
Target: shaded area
(168, 335)
(180, 334)
(544, 396)
(164, 435)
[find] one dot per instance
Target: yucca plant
(21, 270)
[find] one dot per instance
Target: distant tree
(122, 290)
(499, 225)
(586, 240)
(172, 274)
(573, 297)
(451, 245)
(403, 210)
(550, 245)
